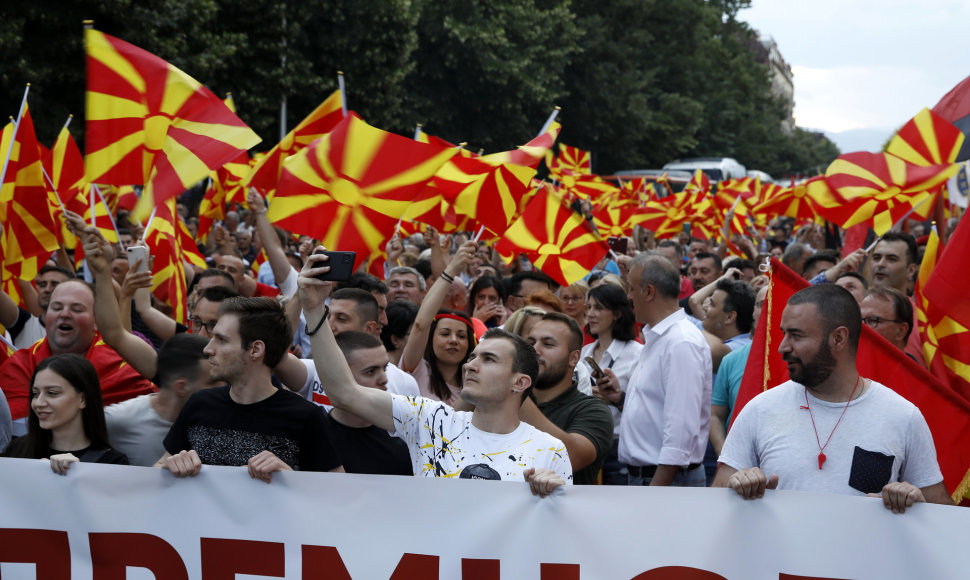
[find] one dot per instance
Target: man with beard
(583, 423)
(828, 429)
(250, 422)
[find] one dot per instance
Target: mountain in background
(860, 139)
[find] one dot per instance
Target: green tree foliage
(640, 82)
(489, 73)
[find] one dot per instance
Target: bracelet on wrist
(326, 314)
(448, 277)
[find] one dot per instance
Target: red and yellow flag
(805, 201)
(880, 188)
(666, 217)
(557, 240)
(500, 180)
(349, 188)
(942, 311)
(266, 174)
(570, 161)
(699, 183)
(162, 235)
(532, 153)
(926, 139)
(29, 228)
(149, 123)
(65, 167)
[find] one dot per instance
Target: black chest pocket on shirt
(871, 470)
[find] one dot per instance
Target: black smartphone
(597, 371)
(341, 265)
(617, 244)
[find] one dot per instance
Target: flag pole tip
(420, 125)
(70, 116)
(558, 108)
(340, 73)
(28, 85)
(88, 23)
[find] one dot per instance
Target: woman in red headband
(440, 340)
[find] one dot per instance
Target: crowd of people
(455, 364)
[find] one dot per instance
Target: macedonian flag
(148, 123)
(880, 188)
(266, 174)
(350, 187)
(556, 239)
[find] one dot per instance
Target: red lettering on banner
(678, 573)
(416, 567)
(323, 562)
(112, 553)
(49, 550)
(472, 569)
(223, 559)
(559, 571)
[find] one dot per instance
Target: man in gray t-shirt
(828, 429)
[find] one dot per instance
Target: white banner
(113, 522)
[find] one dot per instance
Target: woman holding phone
(66, 420)
(440, 340)
(611, 357)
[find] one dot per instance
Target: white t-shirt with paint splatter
(444, 443)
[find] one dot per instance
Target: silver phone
(136, 253)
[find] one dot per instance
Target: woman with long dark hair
(66, 418)
(440, 340)
(610, 320)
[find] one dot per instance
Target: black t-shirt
(90, 454)
(224, 432)
(93, 454)
(369, 449)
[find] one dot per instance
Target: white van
(716, 168)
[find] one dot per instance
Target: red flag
(266, 174)
(168, 274)
(946, 413)
(351, 186)
(880, 188)
(955, 108)
(557, 240)
(148, 123)
(29, 229)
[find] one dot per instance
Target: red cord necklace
(821, 448)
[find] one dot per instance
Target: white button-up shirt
(667, 411)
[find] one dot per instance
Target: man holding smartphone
(494, 443)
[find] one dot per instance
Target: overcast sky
(867, 64)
